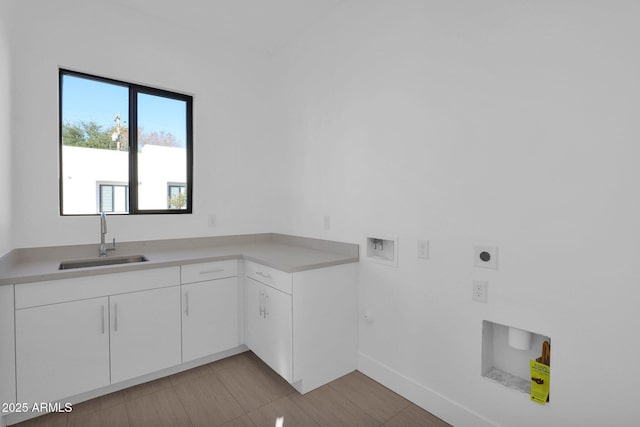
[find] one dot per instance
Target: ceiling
(262, 25)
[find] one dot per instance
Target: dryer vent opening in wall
(382, 249)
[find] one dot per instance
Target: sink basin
(99, 262)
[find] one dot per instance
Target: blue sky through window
(94, 101)
(157, 114)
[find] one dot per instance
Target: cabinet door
(145, 332)
(209, 317)
(269, 331)
(256, 326)
(62, 349)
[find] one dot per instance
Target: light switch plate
(485, 257)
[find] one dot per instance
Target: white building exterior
(84, 170)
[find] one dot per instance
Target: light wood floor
(241, 391)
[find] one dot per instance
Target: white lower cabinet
(209, 317)
(145, 332)
(62, 349)
(269, 328)
(303, 324)
(69, 348)
(81, 334)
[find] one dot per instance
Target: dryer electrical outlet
(485, 257)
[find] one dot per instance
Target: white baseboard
(428, 399)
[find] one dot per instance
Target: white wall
(511, 123)
(5, 132)
(236, 162)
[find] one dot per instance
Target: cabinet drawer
(201, 272)
(78, 288)
(269, 276)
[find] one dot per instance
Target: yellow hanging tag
(540, 376)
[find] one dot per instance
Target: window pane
(95, 143)
(177, 196)
(97, 168)
(106, 198)
(162, 153)
(120, 198)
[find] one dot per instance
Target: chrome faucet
(103, 231)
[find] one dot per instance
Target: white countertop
(283, 252)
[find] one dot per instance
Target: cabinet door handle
(261, 304)
(265, 275)
(186, 303)
(217, 270)
(115, 317)
(102, 316)
(266, 306)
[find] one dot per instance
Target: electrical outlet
(480, 291)
(485, 257)
(423, 249)
(327, 222)
(368, 316)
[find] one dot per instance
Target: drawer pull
(217, 270)
(265, 275)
